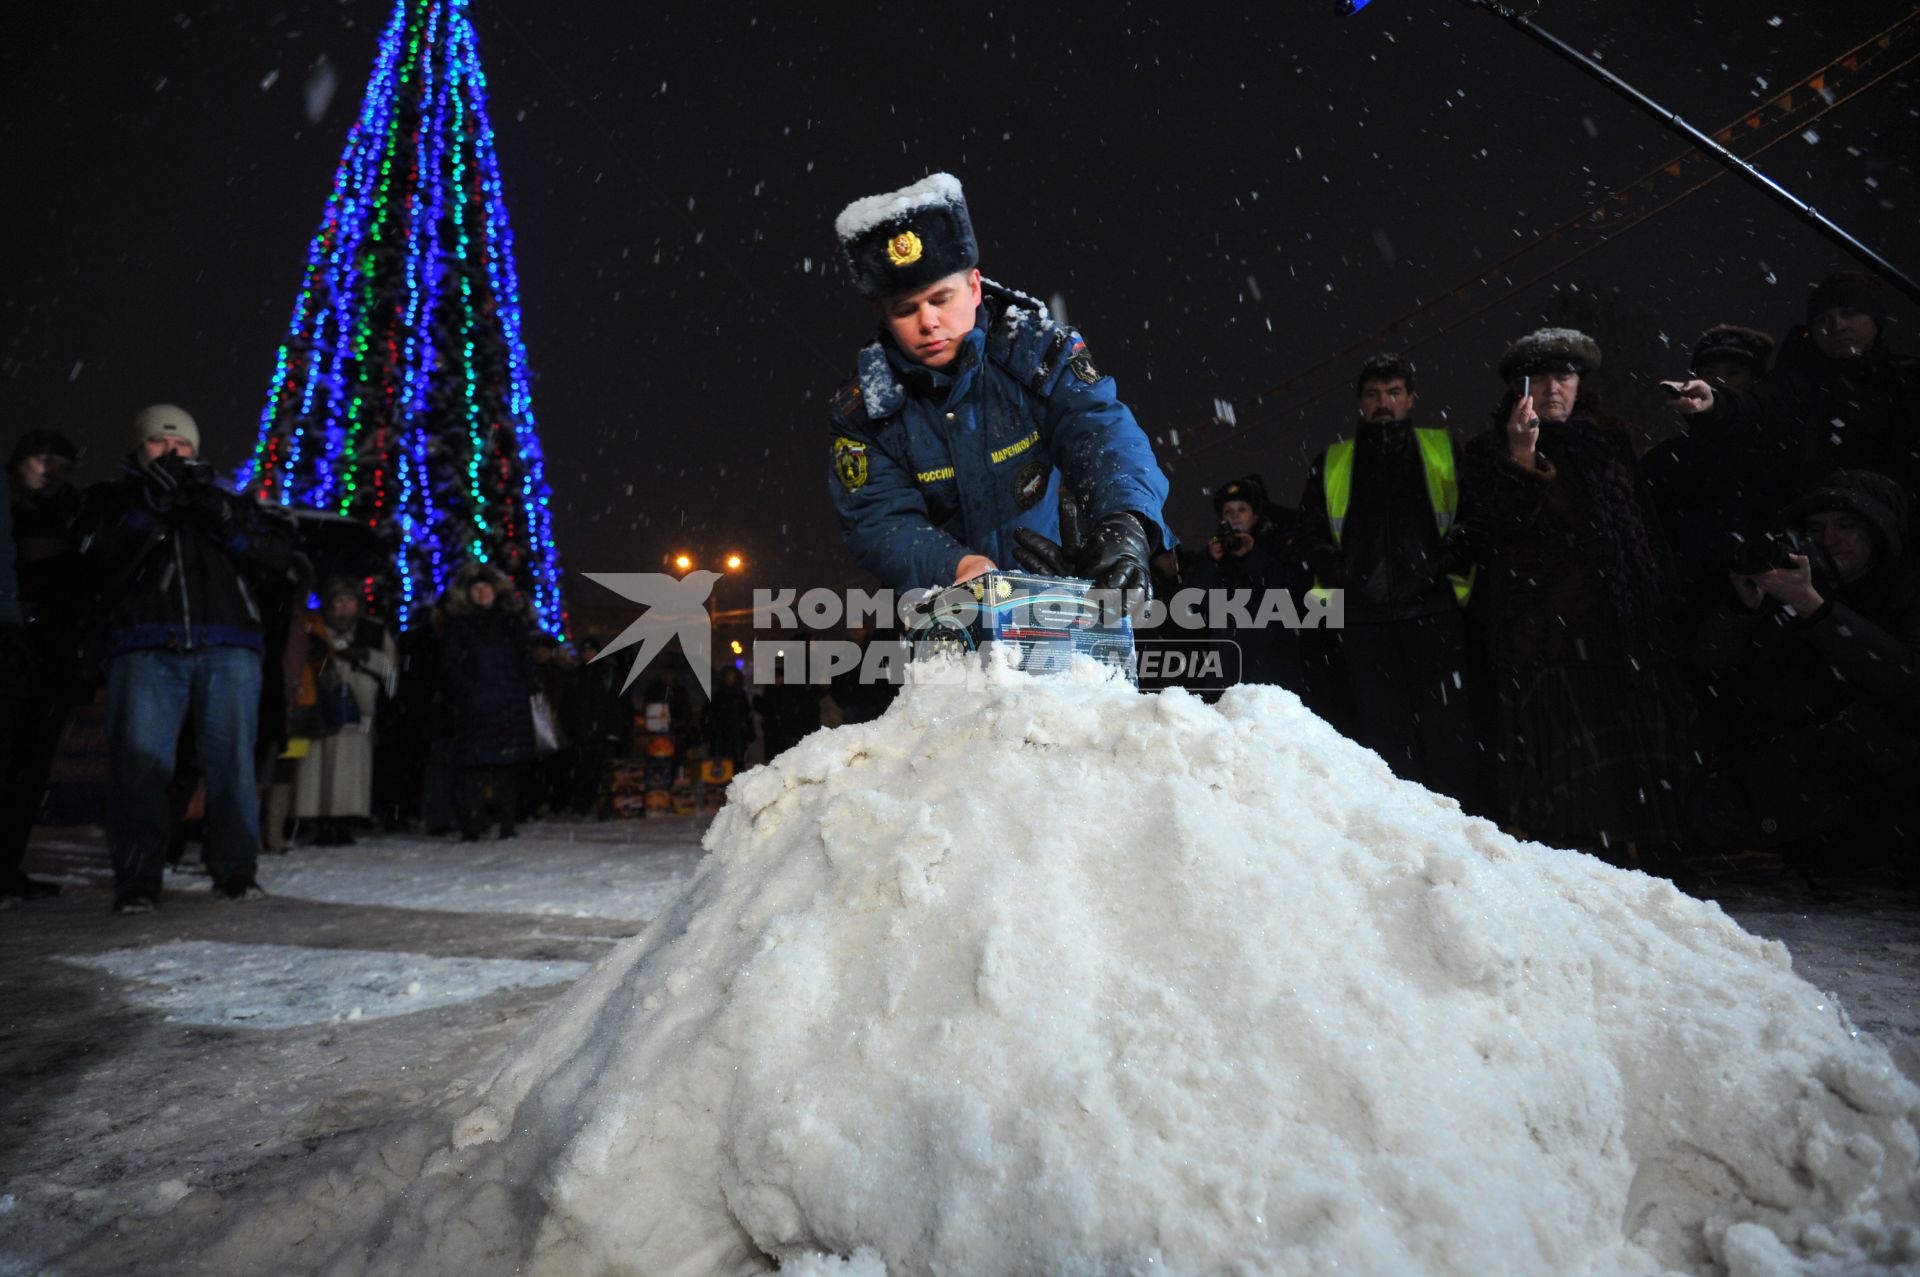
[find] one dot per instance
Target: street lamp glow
(683, 561)
(734, 562)
(737, 649)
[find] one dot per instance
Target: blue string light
(378, 397)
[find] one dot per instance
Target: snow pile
(1047, 976)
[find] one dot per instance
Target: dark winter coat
(1812, 415)
(184, 574)
(788, 712)
(1786, 671)
(1858, 648)
(489, 673)
(423, 702)
(1391, 558)
(52, 590)
(600, 710)
(52, 584)
(1713, 495)
(1822, 738)
(1572, 565)
(930, 465)
(729, 725)
(1591, 724)
(1271, 654)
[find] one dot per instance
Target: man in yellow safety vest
(1380, 520)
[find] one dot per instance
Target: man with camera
(1250, 552)
(1815, 650)
(176, 562)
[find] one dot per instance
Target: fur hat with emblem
(1251, 489)
(1731, 343)
(908, 238)
(1550, 350)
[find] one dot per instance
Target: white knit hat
(165, 419)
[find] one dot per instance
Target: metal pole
(1512, 17)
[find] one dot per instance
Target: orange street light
(734, 562)
(683, 561)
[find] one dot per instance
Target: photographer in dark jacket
(1250, 551)
(176, 560)
(1818, 655)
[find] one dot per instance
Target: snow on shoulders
(861, 216)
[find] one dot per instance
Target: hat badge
(904, 249)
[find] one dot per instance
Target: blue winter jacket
(931, 465)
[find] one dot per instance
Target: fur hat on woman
(1551, 350)
(505, 597)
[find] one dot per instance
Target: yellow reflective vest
(1443, 492)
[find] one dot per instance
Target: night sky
(1222, 203)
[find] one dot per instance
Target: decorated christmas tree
(401, 397)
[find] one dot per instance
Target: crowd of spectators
(1704, 650)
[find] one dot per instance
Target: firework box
(1045, 620)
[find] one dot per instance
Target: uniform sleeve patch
(846, 400)
(850, 462)
(1081, 363)
(1031, 484)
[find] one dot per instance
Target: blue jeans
(149, 693)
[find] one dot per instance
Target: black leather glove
(208, 504)
(1039, 555)
(1115, 554)
(165, 476)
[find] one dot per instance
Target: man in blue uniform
(963, 420)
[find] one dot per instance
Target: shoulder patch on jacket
(847, 400)
(1030, 345)
(850, 462)
(878, 386)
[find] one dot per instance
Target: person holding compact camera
(176, 562)
(1575, 613)
(1815, 649)
(1251, 551)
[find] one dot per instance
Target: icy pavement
(281, 986)
(133, 1104)
(151, 1065)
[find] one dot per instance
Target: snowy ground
(155, 1071)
